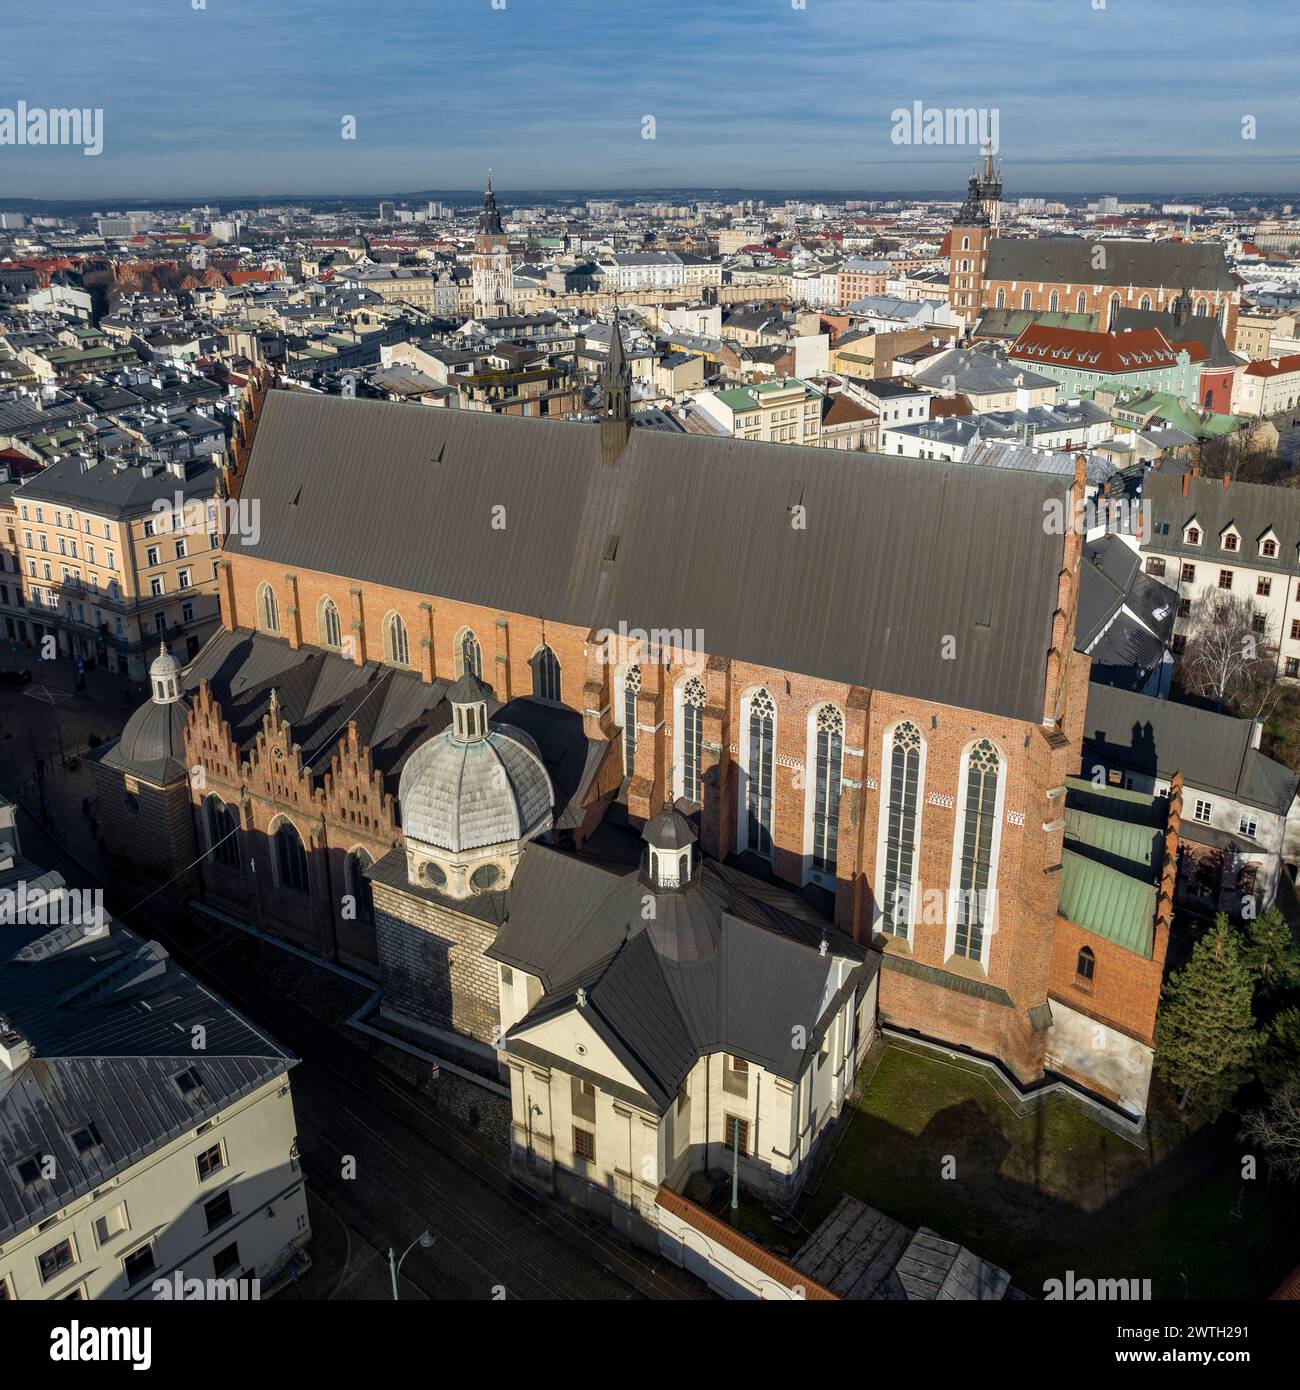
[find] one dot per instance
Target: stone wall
(432, 964)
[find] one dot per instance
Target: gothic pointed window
(901, 812)
(978, 823)
(1144, 302)
(1001, 299)
(268, 610)
(759, 769)
(546, 674)
(396, 646)
(1081, 302)
(1026, 300)
(290, 859)
(469, 656)
(330, 630)
(826, 787)
(693, 702)
(1054, 301)
(631, 689)
(222, 839)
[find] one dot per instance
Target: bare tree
(1230, 656)
(1276, 1129)
(1248, 456)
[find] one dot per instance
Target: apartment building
(118, 557)
(170, 1156)
(1268, 387)
(786, 411)
(1210, 535)
(645, 270)
(13, 608)
(1256, 329)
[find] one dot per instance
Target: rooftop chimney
(1186, 480)
(15, 1050)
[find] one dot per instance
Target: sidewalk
(60, 675)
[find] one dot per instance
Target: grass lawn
(931, 1142)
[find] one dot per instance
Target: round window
(434, 875)
(485, 876)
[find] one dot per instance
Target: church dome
(476, 784)
(155, 733)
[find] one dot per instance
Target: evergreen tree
(1279, 1060)
(1205, 1031)
(1270, 953)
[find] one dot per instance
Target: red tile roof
(1275, 366)
(748, 1250)
(844, 410)
(1144, 349)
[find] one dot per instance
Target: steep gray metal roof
(716, 967)
(395, 712)
(1134, 642)
(1255, 509)
(1053, 260)
(1200, 328)
(109, 1019)
(893, 555)
(112, 491)
(1159, 737)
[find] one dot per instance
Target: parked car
(16, 679)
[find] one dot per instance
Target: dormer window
(1230, 540)
(1268, 549)
(1193, 535)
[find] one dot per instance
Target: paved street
(415, 1169)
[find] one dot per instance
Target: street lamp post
(424, 1240)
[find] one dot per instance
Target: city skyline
(561, 98)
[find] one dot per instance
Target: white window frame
(882, 829)
(995, 854)
(742, 774)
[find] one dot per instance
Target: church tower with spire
(616, 410)
(968, 249)
(990, 190)
(491, 271)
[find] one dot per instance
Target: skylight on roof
(188, 1081)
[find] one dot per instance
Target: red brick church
(853, 675)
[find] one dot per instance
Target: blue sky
(248, 96)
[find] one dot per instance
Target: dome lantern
(165, 677)
(670, 839)
(468, 700)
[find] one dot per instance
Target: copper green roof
(1111, 863)
(1011, 323)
